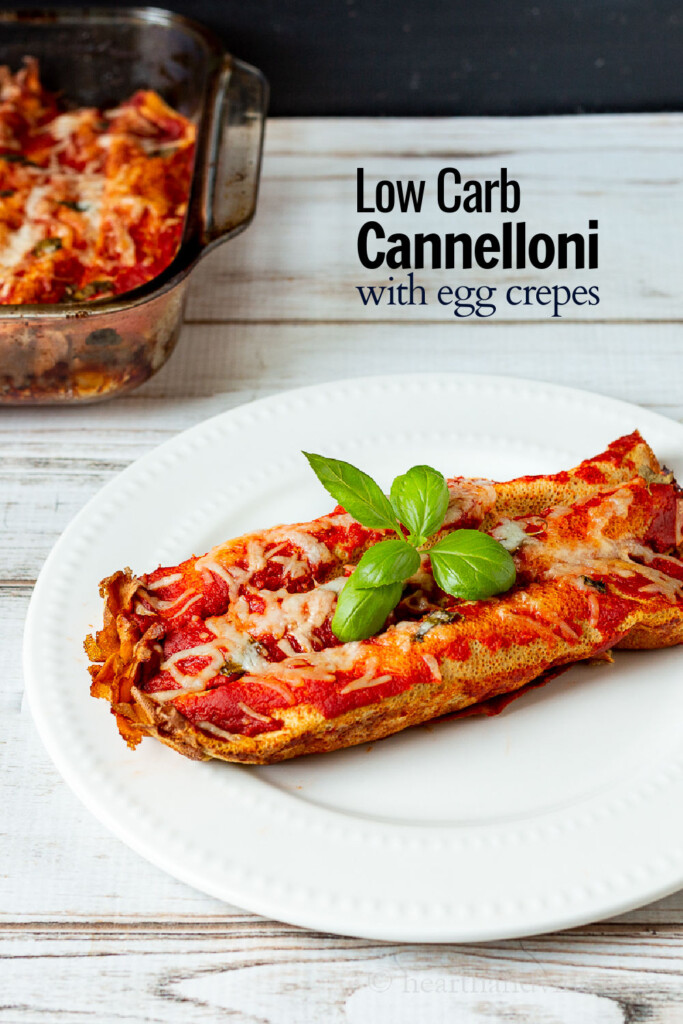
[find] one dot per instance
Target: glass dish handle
(231, 185)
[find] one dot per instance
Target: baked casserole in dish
(119, 168)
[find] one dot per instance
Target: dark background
(403, 57)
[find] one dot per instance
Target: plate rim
(268, 906)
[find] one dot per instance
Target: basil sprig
(420, 500)
(466, 563)
(361, 612)
(389, 561)
(471, 565)
(356, 491)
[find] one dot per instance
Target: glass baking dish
(89, 351)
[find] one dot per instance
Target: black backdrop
(454, 56)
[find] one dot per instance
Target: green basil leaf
(389, 561)
(420, 500)
(362, 612)
(472, 565)
(355, 490)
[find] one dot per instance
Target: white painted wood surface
(89, 931)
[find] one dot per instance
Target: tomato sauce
(244, 704)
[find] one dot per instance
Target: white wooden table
(90, 932)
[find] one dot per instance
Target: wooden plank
(53, 460)
(298, 260)
(250, 971)
(214, 360)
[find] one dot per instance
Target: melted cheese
(511, 535)
(163, 695)
(165, 581)
(469, 499)
(141, 610)
(19, 244)
(278, 687)
(620, 502)
(292, 567)
(188, 604)
(38, 214)
(593, 609)
(184, 601)
(336, 585)
(64, 126)
(293, 672)
(255, 556)
(233, 576)
(164, 605)
(237, 645)
(296, 614)
(314, 550)
(221, 733)
(660, 583)
(433, 666)
(247, 710)
(150, 145)
(320, 666)
(91, 189)
(364, 683)
(565, 629)
(523, 620)
(194, 680)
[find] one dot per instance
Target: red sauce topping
(229, 707)
(250, 705)
(662, 533)
(590, 474)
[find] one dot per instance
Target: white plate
(562, 810)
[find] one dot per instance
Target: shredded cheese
(315, 551)
(164, 695)
(256, 557)
(188, 604)
(469, 498)
(296, 614)
(165, 581)
(565, 629)
(194, 680)
(253, 714)
(511, 535)
(221, 733)
(433, 666)
(238, 646)
(292, 567)
(19, 243)
(593, 610)
(280, 688)
(141, 610)
(365, 682)
(336, 585)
